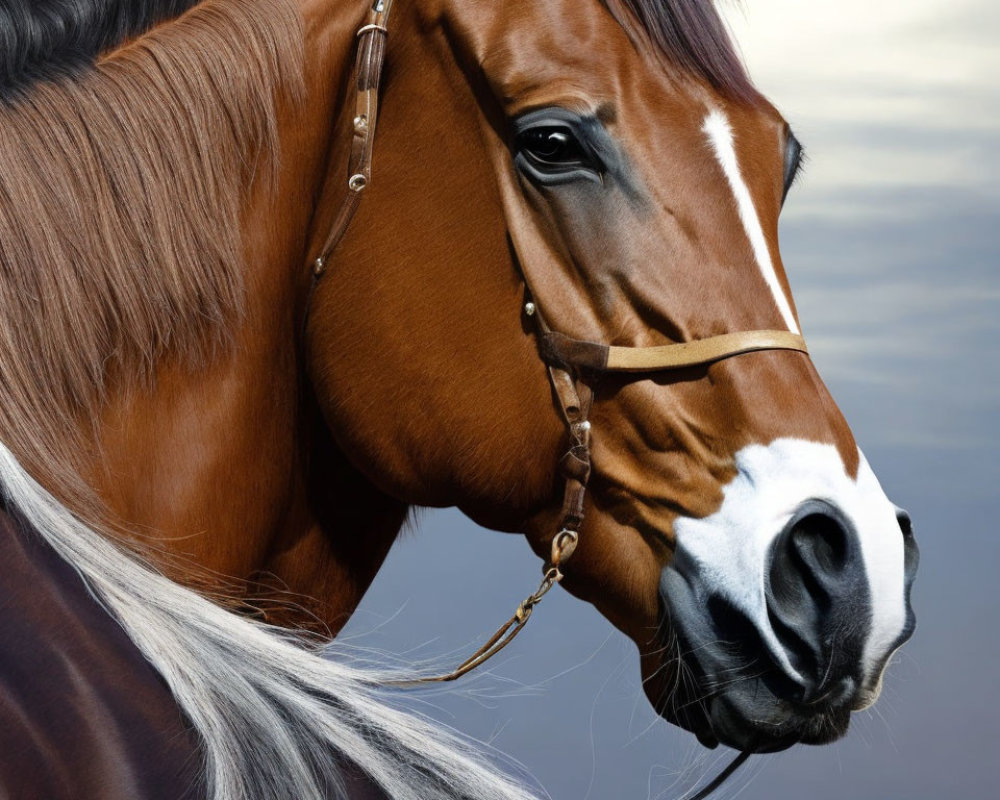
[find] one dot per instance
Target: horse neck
(224, 470)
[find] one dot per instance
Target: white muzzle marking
(730, 549)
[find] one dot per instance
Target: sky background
(891, 241)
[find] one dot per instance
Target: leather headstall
(367, 79)
(564, 351)
(573, 364)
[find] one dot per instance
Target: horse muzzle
(780, 634)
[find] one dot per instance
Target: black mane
(49, 39)
(692, 35)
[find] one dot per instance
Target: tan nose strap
(560, 350)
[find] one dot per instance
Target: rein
(572, 364)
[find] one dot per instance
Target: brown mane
(120, 200)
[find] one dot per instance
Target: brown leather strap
(574, 399)
(561, 350)
(566, 357)
(368, 77)
(507, 632)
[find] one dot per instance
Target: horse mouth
(749, 710)
(735, 683)
(726, 719)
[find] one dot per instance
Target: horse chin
(723, 697)
(750, 718)
(734, 720)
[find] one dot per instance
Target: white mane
(269, 710)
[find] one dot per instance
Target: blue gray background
(891, 242)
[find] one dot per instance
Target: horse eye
(551, 147)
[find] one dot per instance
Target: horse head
(606, 172)
(569, 224)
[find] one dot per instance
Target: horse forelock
(121, 194)
(689, 34)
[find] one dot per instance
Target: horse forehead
(577, 55)
(548, 53)
(525, 45)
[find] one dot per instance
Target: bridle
(572, 364)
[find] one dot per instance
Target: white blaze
(720, 134)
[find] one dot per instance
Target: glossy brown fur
(209, 464)
(424, 383)
(427, 282)
(156, 215)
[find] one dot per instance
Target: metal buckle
(563, 546)
(374, 26)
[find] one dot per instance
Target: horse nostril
(812, 557)
(821, 544)
(817, 595)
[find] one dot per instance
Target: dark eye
(552, 148)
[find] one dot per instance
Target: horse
(243, 336)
